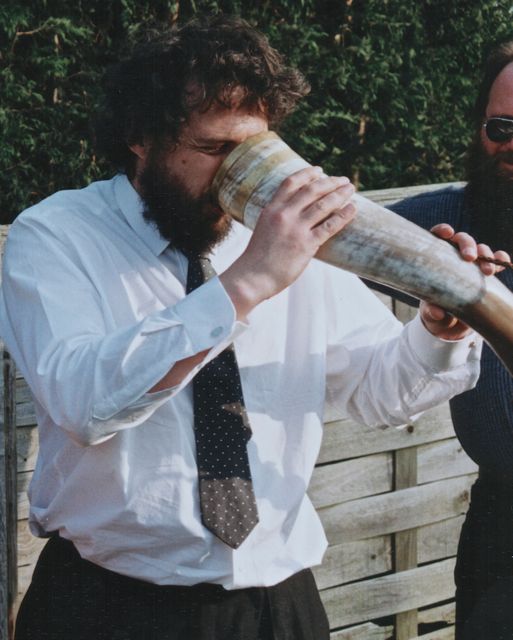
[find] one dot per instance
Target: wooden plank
(396, 511)
(442, 634)
(26, 417)
(443, 459)
(24, 404)
(442, 613)
(10, 417)
(4, 570)
(27, 445)
(29, 547)
(439, 539)
(8, 558)
(388, 595)
(405, 542)
(4, 229)
(353, 561)
(23, 393)
(351, 479)
(23, 480)
(367, 631)
(24, 578)
(405, 475)
(345, 439)
(360, 559)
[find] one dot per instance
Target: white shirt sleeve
(90, 372)
(381, 373)
(93, 381)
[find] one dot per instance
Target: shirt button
(216, 332)
(472, 344)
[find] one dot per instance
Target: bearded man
(483, 417)
(179, 411)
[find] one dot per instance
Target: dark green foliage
(393, 82)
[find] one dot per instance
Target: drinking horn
(378, 244)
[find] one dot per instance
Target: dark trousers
(484, 567)
(73, 599)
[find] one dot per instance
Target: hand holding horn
(378, 244)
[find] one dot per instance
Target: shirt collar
(132, 207)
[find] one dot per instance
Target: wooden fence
(391, 501)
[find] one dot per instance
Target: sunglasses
(499, 129)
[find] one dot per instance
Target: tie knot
(199, 271)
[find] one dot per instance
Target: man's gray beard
(489, 195)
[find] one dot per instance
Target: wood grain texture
(352, 561)
(342, 481)
(396, 511)
(443, 613)
(368, 631)
(380, 597)
(405, 542)
(345, 439)
(8, 509)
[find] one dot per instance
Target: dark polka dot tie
(222, 430)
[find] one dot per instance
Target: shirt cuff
(206, 331)
(439, 354)
(208, 315)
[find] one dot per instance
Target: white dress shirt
(94, 311)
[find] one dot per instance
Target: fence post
(8, 499)
(405, 542)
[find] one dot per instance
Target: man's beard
(192, 224)
(489, 195)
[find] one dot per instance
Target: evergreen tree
(393, 82)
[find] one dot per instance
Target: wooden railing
(391, 501)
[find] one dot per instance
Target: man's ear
(141, 150)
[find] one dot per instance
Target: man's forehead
(221, 123)
(500, 100)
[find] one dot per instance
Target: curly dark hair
(148, 96)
